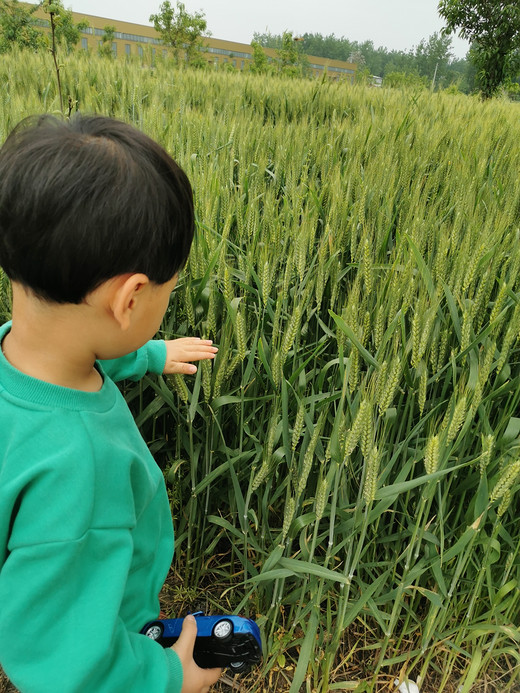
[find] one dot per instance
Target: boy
(96, 220)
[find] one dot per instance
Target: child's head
(85, 200)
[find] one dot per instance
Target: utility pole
(434, 76)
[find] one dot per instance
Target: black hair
(85, 200)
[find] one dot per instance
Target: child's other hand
(195, 679)
(180, 351)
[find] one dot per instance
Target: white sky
(395, 24)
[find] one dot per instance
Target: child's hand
(180, 351)
(195, 679)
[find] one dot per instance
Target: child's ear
(126, 293)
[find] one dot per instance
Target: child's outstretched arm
(179, 353)
(158, 356)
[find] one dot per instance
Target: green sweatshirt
(86, 536)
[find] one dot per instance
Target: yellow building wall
(141, 40)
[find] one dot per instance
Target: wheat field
(347, 470)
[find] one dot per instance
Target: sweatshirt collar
(32, 391)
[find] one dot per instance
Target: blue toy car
(222, 641)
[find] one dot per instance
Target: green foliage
(404, 80)
(5, 298)
(67, 33)
(105, 47)
(17, 26)
(259, 64)
(288, 55)
(363, 75)
(493, 28)
(432, 57)
(228, 67)
(347, 468)
(180, 31)
(512, 89)
(291, 59)
(436, 51)
(453, 88)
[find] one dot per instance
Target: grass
(347, 472)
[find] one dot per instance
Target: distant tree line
(430, 63)
(430, 59)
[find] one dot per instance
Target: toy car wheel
(154, 631)
(223, 629)
(239, 667)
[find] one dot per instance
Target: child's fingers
(180, 367)
(186, 640)
(184, 648)
(199, 355)
(192, 341)
(190, 349)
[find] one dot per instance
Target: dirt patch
(5, 685)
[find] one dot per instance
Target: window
(128, 49)
(223, 51)
(140, 51)
(114, 48)
(84, 44)
(135, 37)
(331, 68)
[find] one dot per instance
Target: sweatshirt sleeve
(150, 358)
(59, 633)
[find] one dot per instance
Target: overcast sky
(394, 24)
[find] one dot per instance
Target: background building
(141, 40)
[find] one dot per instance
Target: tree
(260, 64)
(17, 26)
(433, 56)
(380, 61)
(66, 32)
(63, 30)
(363, 74)
(180, 31)
(268, 40)
(291, 58)
(461, 73)
(105, 46)
(288, 55)
(493, 28)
